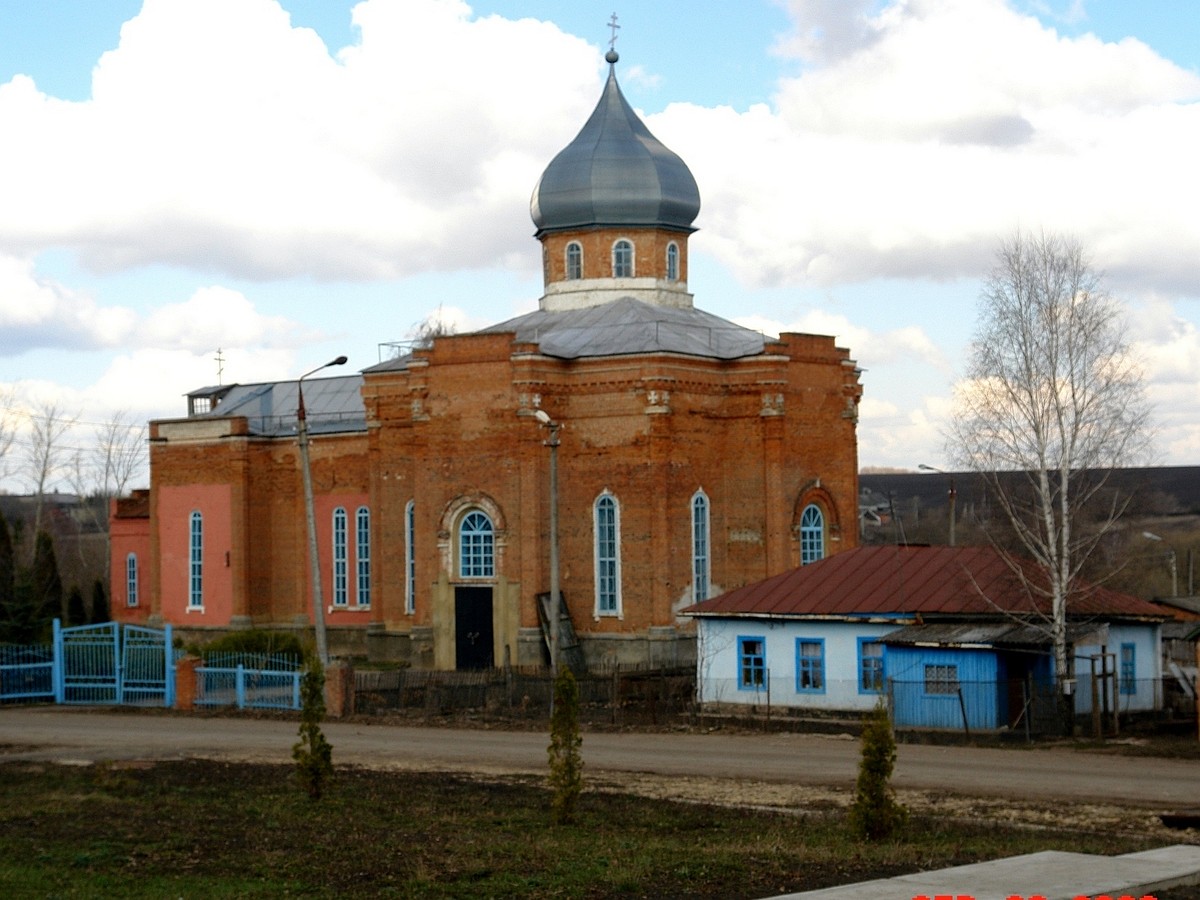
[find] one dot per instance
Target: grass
(197, 828)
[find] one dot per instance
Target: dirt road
(803, 760)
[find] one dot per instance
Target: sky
(196, 192)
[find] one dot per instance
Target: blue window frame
(870, 666)
(410, 560)
(752, 663)
(700, 561)
(131, 580)
(362, 559)
(941, 680)
(1128, 674)
(810, 666)
(196, 561)
(812, 534)
(622, 259)
(340, 574)
(608, 560)
(476, 546)
(574, 261)
(672, 261)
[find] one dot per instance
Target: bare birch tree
(45, 454)
(8, 428)
(1052, 401)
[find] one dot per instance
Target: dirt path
(1036, 787)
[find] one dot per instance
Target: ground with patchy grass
(192, 828)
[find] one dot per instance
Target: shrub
(566, 763)
(313, 753)
(875, 813)
(256, 641)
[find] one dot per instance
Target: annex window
(941, 679)
(410, 559)
(700, 558)
(574, 261)
(362, 559)
(608, 559)
(870, 666)
(340, 574)
(1128, 673)
(810, 666)
(622, 259)
(812, 534)
(131, 580)
(752, 663)
(672, 261)
(476, 546)
(196, 561)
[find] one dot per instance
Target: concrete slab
(1051, 874)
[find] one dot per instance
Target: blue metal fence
(26, 672)
(107, 663)
(244, 681)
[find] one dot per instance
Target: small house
(954, 637)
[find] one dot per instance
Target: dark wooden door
(473, 628)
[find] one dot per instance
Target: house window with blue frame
(476, 546)
(812, 534)
(410, 561)
(574, 261)
(362, 559)
(870, 666)
(340, 575)
(941, 680)
(622, 259)
(196, 561)
(608, 561)
(131, 580)
(1128, 673)
(752, 663)
(700, 565)
(810, 666)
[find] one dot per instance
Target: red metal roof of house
(881, 580)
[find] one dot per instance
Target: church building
(693, 456)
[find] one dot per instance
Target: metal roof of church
(332, 405)
(615, 172)
(933, 581)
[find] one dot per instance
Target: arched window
(622, 259)
(672, 261)
(339, 557)
(812, 534)
(410, 561)
(608, 555)
(131, 580)
(476, 546)
(196, 561)
(574, 261)
(362, 559)
(700, 562)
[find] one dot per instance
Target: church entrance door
(473, 628)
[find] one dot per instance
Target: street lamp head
(926, 468)
(1151, 536)
(340, 361)
(543, 417)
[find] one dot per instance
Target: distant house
(950, 634)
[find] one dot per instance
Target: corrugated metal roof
(884, 580)
(987, 634)
(331, 405)
(628, 326)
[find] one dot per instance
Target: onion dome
(615, 173)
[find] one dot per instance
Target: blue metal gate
(114, 663)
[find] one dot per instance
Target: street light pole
(953, 495)
(314, 565)
(555, 610)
